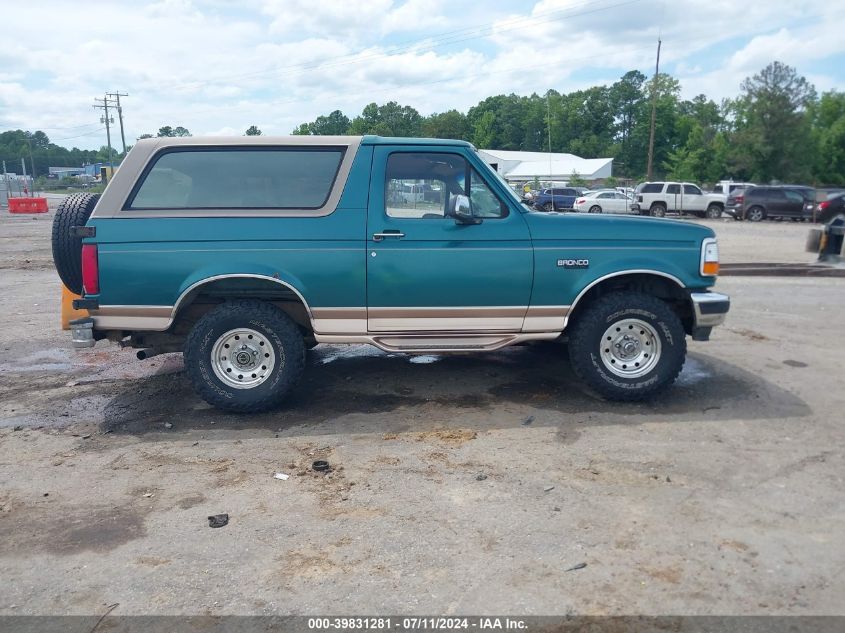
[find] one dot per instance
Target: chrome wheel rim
(658, 212)
(630, 348)
(243, 358)
(595, 209)
(755, 215)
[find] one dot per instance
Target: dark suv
(557, 198)
(783, 201)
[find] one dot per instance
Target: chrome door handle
(378, 237)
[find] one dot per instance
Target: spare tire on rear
(67, 249)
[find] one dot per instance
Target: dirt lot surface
(462, 484)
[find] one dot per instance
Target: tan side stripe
(447, 313)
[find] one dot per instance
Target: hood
(577, 226)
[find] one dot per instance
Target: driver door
(430, 271)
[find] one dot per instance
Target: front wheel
(244, 356)
(627, 346)
(548, 207)
(658, 210)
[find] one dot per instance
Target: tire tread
(284, 327)
(593, 316)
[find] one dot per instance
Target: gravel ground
(460, 484)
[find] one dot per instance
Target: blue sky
(217, 67)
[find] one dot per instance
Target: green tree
(173, 131)
(390, 119)
(772, 130)
(828, 131)
(145, 136)
(336, 123)
(483, 134)
(575, 180)
(252, 130)
(451, 124)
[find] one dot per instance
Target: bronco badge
(573, 263)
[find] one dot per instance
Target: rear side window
(234, 178)
(652, 187)
(673, 189)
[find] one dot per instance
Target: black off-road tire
(67, 249)
(281, 332)
(658, 210)
(585, 341)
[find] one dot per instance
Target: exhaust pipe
(144, 354)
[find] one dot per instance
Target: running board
(444, 343)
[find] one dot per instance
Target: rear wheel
(244, 356)
(627, 346)
(658, 210)
(755, 214)
(595, 209)
(714, 211)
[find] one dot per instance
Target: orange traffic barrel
(68, 313)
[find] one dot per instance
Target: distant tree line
(777, 129)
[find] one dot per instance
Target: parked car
(556, 199)
(265, 246)
(727, 187)
(830, 208)
(781, 201)
(604, 201)
(733, 206)
(660, 198)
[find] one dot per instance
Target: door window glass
(692, 190)
(673, 189)
(425, 185)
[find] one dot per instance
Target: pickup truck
(242, 253)
(660, 198)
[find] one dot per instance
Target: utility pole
(653, 113)
(117, 96)
(104, 105)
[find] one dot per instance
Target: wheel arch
(204, 294)
(660, 284)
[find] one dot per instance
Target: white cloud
(210, 66)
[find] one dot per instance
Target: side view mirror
(463, 211)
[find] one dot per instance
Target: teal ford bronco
(243, 252)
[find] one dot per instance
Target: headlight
(709, 257)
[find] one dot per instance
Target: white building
(526, 166)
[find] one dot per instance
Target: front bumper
(709, 310)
